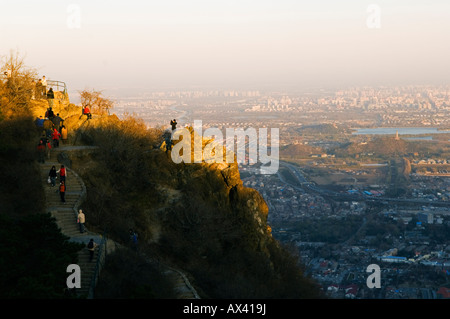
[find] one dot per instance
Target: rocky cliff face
(221, 185)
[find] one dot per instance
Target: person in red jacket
(62, 191)
(55, 137)
(62, 173)
(87, 112)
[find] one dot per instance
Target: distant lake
(420, 138)
(401, 131)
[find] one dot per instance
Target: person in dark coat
(57, 121)
(173, 123)
(50, 94)
(52, 174)
(91, 247)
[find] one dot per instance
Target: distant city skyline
(240, 44)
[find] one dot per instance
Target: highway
(306, 185)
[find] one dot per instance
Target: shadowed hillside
(34, 252)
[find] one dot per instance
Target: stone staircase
(182, 287)
(66, 219)
(66, 216)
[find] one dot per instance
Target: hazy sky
(106, 44)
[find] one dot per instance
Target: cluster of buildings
(286, 202)
(345, 274)
(411, 106)
(431, 161)
(413, 266)
(430, 187)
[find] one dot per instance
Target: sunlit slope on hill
(197, 217)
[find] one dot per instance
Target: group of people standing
(53, 175)
(53, 131)
(41, 90)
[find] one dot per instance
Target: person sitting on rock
(87, 112)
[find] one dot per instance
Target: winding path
(66, 215)
(66, 219)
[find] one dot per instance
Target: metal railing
(57, 86)
(101, 258)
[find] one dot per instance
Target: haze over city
(249, 44)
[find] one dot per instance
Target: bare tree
(95, 101)
(17, 82)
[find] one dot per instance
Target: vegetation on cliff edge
(197, 217)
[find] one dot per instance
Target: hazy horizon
(154, 44)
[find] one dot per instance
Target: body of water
(400, 130)
(420, 138)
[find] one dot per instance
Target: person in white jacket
(81, 221)
(44, 87)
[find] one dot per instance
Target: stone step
(64, 214)
(83, 259)
(57, 201)
(59, 208)
(66, 203)
(68, 223)
(67, 195)
(69, 184)
(71, 234)
(69, 179)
